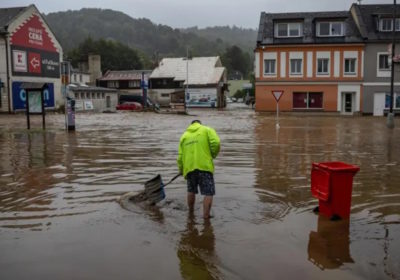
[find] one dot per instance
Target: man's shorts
(204, 179)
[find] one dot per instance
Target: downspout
(8, 72)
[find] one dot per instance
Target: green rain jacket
(198, 146)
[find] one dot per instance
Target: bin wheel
(316, 209)
(335, 217)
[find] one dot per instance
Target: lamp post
(390, 116)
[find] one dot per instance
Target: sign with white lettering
(34, 53)
(38, 63)
(19, 96)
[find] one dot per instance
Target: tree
(234, 59)
(114, 55)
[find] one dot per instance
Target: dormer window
(330, 29)
(288, 29)
(386, 24)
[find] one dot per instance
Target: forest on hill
(92, 29)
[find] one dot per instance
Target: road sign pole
(277, 115)
(277, 94)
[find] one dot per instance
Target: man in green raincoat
(198, 146)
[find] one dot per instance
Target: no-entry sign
(277, 94)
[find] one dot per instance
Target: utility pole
(390, 116)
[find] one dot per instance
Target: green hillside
(73, 27)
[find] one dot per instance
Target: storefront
(29, 52)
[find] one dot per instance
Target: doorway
(108, 101)
(348, 102)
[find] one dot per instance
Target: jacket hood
(194, 127)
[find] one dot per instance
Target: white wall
(257, 65)
(349, 88)
(3, 76)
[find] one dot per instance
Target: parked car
(130, 106)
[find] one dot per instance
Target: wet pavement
(60, 216)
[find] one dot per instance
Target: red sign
(35, 63)
(33, 34)
(277, 94)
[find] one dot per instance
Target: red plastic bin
(332, 184)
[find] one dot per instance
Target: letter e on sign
(277, 94)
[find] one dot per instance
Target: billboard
(19, 97)
(201, 98)
(33, 51)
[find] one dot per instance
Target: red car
(130, 106)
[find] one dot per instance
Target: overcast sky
(203, 13)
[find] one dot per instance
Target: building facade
(375, 23)
(29, 52)
(127, 82)
(203, 78)
(316, 59)
(93, 99)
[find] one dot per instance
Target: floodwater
(60, 216)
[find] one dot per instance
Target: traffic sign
(277, 94)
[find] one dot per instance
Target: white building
(204, 78)
(29, 52)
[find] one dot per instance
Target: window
(334, 28)
(383, 62)
(102, 95)
(307, 100)
(323, 66)
(386, 24)
(80, 77)
(292, 29)
(76, 95)
(75, 78)
(134, 84)
(396, 103)
(296, 66)
(350, 66)
(164, 94)
(269, 67)
(112, 84)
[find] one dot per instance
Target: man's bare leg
(207, 203)
(191, 198)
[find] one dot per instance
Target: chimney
(94, 61)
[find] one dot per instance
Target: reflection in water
(55, 182)
(329, 246)
(196, 251)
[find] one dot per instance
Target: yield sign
(277, 94)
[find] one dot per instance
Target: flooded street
(60, 216)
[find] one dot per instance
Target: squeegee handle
(170, 181)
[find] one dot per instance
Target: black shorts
(204, 179)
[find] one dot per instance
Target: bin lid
(338, 166)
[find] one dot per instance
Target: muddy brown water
(60, 217)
